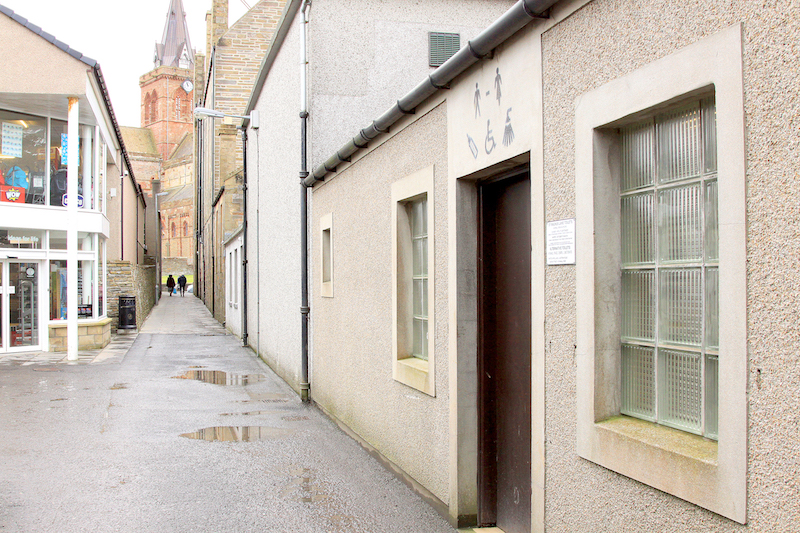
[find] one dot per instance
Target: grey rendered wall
(601, 42)
(273, 213)
(352, 376)
(367, 54)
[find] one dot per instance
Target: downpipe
(305, 310)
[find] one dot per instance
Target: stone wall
(125, 279)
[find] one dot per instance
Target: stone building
(234, 55)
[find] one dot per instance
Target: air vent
(442, 46)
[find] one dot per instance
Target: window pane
(680, 224)
(712, 396)
(680, 303)
(418, 216)
(420, 338)
(58, 290)
(424, 291)
(22, 150)
(679, 144)
(638, 381)
(58, 162)
(712, 221)
(638, 229)
(21, 238)
(638, 304)
(712, 308)
(419, 303)
(709, 111)
(85, 288)
(638, 158)
(679, 390)
(420, 247)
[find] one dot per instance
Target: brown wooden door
(504, 360)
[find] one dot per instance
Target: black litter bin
(127, 312)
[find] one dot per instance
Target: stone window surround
(712, 476)
(412, 371)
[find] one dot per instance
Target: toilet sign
(561, 242)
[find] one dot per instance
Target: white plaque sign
(561, 242)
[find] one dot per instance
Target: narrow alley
(187, 431)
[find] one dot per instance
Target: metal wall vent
(442, 46)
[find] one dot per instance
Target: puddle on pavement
(238, 433)
(218, 377)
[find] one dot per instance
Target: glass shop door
(19, 305)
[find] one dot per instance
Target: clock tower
(168, 90)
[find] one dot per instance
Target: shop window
(23, 143)
(21, 239)
(58, 289)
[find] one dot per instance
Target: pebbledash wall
(605, 41)
(402, 420)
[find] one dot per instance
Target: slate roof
(140, 141)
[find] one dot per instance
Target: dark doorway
(504, 353)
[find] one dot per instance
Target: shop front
(33, 290)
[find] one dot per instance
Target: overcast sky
(119, 34)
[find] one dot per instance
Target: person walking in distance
(182, 284)
(171, 284)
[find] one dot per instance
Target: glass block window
(418, 210)
(670, 268)
(442, 46)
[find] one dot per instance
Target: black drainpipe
(304, 308)
(244, 236)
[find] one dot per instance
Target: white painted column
(73, 174)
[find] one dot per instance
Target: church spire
(175, 50)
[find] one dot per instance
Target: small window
(442, 46)
(413, 283)
(326, 246)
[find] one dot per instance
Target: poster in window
(12, 139)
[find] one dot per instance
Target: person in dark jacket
(182, 284)
(170, 284)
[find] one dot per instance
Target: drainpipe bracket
(446, 86)
(476, 55)
(343, 159)
(305, 310)
(303, 114)
(403, 111)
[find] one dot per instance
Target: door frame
(5, 307)
(486, 472)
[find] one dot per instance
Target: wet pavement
(180, 428)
